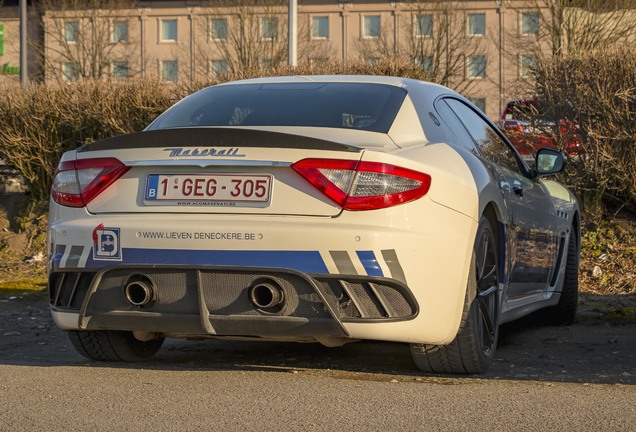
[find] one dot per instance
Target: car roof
(324, 78)
(430, 91)
(369, 79)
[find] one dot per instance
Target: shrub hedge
(597, 93)
(40, 122)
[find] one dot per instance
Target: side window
(456, 127)
(491, 145)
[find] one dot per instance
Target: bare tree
(432, 34)
(245, 35)
(561, 27)
(595, 98)
(87, 39)
(254, 36)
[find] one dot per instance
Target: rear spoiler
(215, 137)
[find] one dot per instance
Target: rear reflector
(363, 185)
(77, 183)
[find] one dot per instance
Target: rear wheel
(474, 347)
(109, 345)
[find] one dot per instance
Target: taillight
(363, 185)
(77, 182)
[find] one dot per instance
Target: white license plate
(253, 190)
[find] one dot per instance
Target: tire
(564, 312)
(108, 345)
(473, 349)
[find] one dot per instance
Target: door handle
(517, 190)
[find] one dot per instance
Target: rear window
(370, 107)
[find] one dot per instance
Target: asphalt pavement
(581, 377)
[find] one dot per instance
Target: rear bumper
(418, 254)
(218, 301)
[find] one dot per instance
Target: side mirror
(549, 161)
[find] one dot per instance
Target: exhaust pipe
(267, 295)
(140, 291)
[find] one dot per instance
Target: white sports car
(316, 208)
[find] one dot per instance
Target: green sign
(7, 69)
(1, 39)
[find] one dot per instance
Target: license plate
(247, 190)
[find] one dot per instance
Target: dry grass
(608, 258)
(610, 247)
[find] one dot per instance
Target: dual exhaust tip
(265, 294)
(140, 291)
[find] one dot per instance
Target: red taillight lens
(363, 185)
(76, 183)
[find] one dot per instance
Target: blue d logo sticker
(106, 244)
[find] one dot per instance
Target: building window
(71, 31)
(527, 63)
(320, 27)
(479, 103)
(269, 28)
(477, 24)
(71, 71)
(423, 25)
(218, 68)
(169, 30)
(120, 69)
(529, 23)
(218, 29)
(120, 31)
(169, 70)
(476, 66)
(371, 26)
(425, 62)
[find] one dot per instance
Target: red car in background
(529, 127)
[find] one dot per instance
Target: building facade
(482, 48)
(9, 45)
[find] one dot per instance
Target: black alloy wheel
(487, 284)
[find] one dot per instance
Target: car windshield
(363, 106)
(527, 111)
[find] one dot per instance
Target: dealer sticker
(106, 244)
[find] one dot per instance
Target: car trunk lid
(215, 170)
